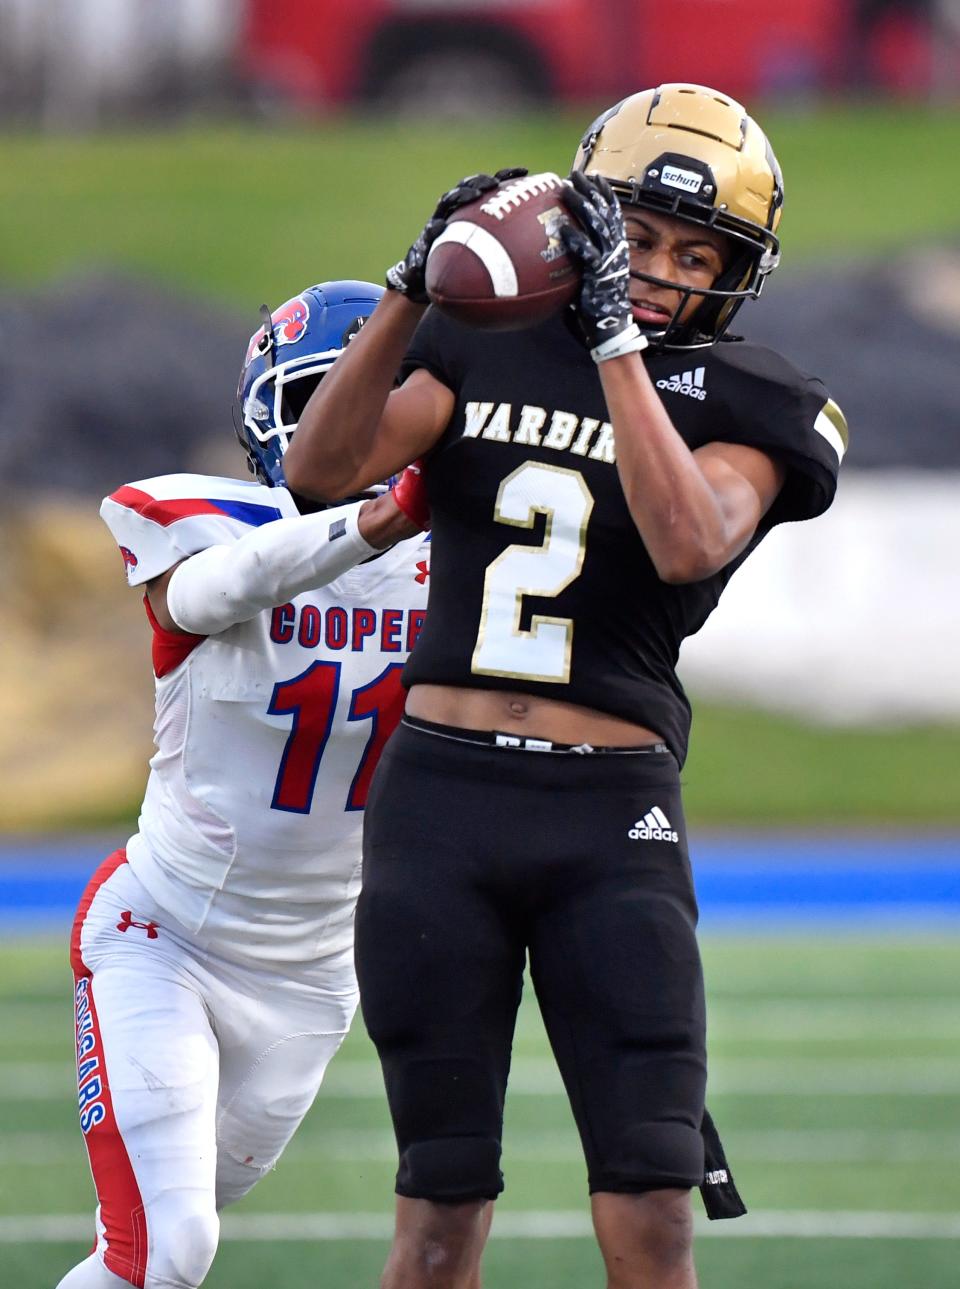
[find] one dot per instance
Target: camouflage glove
(600, 244)
(407, 275)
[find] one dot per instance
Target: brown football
(500, 263)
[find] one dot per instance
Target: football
(500, 263)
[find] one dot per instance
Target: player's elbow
(675, 573)
(678, 565)
(692, 552)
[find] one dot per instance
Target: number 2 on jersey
(542, 650)
(311, 698)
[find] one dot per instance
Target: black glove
(600, 244)
(407, 275)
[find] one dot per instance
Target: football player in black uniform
(594, 482)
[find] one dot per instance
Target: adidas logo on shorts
(654, 826)
(688, 382)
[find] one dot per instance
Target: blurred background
(165, 168)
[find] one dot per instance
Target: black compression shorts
(475, 856)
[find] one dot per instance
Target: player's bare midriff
(517, 713)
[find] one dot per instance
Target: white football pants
(193, 1074)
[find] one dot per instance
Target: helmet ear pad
(256, 463)
(718, 314)
(715, 313)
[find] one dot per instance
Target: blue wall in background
(859, 880)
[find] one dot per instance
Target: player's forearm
(328, 456)
(675, 509)
(224, 585)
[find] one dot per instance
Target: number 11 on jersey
(311, 699)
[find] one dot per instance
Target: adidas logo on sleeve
(688, 382)
(654, 826)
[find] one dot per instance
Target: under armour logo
(424, 572)
(126, 922)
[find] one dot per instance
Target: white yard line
(848, 1019)
(824, 1146)
(790, 1146)
(547, 1225)
(749, 1076)
(731, 1020)
(843, 1145)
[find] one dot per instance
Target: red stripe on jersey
(170, 648)
(121, 1204)
(118, 1194)
(163, 512)
(102, 874)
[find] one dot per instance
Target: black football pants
(476, 856)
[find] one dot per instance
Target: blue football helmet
(285, 361)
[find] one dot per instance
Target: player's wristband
(396, 280)
(410, 494)
(630, 341)
(224, 585)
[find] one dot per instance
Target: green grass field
(835, 1080)
(245, 214)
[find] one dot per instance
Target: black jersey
(540, 581)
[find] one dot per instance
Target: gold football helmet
(694, 153)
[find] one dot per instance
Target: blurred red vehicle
(500, 54)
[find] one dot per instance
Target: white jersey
(267, 734)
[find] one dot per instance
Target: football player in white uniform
(213, 955)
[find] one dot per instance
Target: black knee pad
(447, 1114)
(650, 1156)
(451, 1169)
